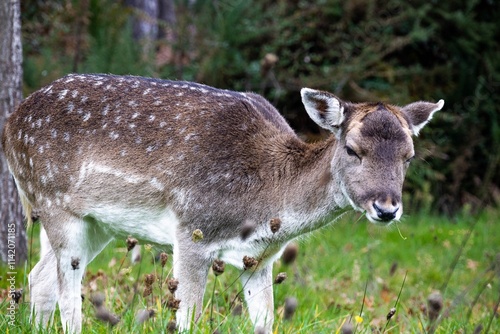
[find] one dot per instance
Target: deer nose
(385, 214)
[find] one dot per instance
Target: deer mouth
(379, 213)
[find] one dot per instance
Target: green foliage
(361, 50)
(333, 268)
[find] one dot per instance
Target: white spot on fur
(157, 184)
(162, 124)
(74, 93)
(66, 199)
(151, 118)
(84, 98)
(66, 137)
(135, 115)
(86, 117)
(48, 90)
(105, 110)
(113, 135)
(189, 136)
(62, 94)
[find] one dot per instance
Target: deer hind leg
(191, 264)
(43, 285)
(258, 290)
(75, 242)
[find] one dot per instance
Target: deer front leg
(44, 288)
(258, 290)
(191, 266)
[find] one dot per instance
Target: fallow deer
(103, 156)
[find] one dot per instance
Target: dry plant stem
(476, 298)
(397, 300)
(493, 314)
(31, 246)
(231, 305)
(454, 263)
(362, 305)
(210, 319)
(119, 269)
(457, 301)
(132, 302)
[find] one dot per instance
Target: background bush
(395, 51)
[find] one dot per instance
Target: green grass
(337, 268)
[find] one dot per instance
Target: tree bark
(13, 246)
(145, 22)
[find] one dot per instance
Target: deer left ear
(420, 113)
(324, 108)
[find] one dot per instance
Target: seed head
(280, 278)
(163, 259)
(103, 314)
(97, 299)
(148, 290)
(291, 304)
(126, 271)
(249, 262)
(197, 235)
(347, 328)
(173, 303)
(435, 304)
(131, 242)
(218, 267)
(247, 229)
(144, 315)
(16, 295)
(149, 279)
(172, 284)
(171, 327)
(393, 269)
(237, 310)
(290, 253)
(275, 225)
(75, 263)
(391, 313)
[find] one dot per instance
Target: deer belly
(150, 225)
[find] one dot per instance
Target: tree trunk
(13, 247)
(145, 22)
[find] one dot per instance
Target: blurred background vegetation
(361, 50)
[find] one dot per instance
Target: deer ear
(420, 113)
(324, 108)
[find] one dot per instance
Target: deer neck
(305, 183)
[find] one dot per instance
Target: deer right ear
(324, 108)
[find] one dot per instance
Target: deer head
(374, 148)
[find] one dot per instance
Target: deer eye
(407, 161)
(351, 152)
